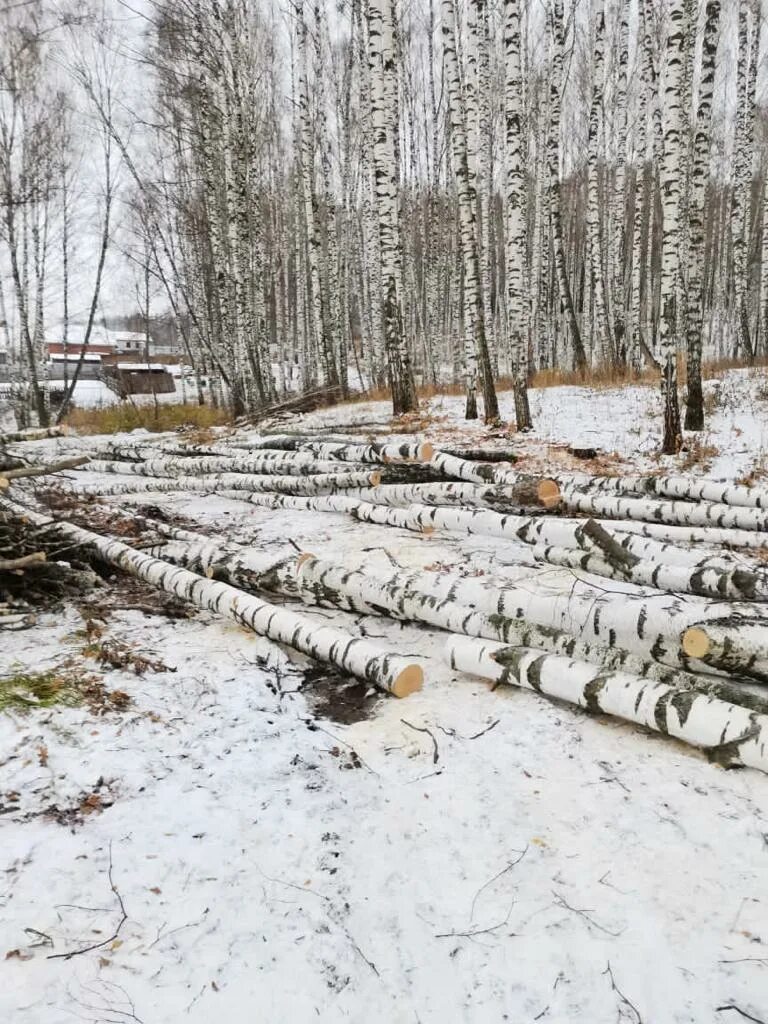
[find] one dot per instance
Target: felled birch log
(532, 530)
(34, 434)
(363, 511)
(17, 565)
(680, 487)
(649, 626)
(217, 464)
(668, 512)
(381, 453)
(481, 454)
(674, 534)
(398, 595)
(736, 584)
(730, 644)
(390, 672)
(507, 497)
(320, 484)
(730, 734)
(529, 490)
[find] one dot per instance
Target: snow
(547, 866)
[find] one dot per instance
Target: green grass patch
(22, 691)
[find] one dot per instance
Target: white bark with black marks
(731, 735)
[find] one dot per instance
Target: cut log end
(426, 451)
(408, 681)
(548, 493)
(4, 483)
(303, 558)
(375, 478)
(695, 642)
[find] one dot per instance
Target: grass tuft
(114, 419)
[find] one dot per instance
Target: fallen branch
(25, 562)
(52, 467)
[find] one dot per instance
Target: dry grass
(604, 376)
(124, 417)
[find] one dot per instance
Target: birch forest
(362, 195)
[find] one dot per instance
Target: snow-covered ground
(281, 854)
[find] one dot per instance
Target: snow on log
(35, 434)
(362, 511)
(358, 657)
(320, 484)
(731, 644)
(669, 512)
(195, 465)
(730, 734)
(370, 452)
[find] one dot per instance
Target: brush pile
(667, 629)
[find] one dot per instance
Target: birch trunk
(694, 311)
(672, 512)
(476, 347)
(320, 484)
(733, 584)
(505, 497)
(553, 154)
(378, 453)
(384, 122)
(730, 734)
(205, 466)
(517, 222)
(362, 511)
(671, 185)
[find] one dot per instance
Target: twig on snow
(420, 728)
(473, 932)
(624, 1001)
(585, 914)
(743, 1013)
(496, 877)
(104, 942)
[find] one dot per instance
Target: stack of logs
(678, 649)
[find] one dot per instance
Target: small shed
(140, 378)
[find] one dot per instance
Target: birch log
(217, 464)
(34, 434)
(390, 672)
(541, 491)
(398, 595)
(504, 497)
(736, 584)
(731, 735)
(370, 452)
(363, 511)
(567, 533)
(669, 512)
(685, 488)
(648, 626)
(320, 484)
(730, 644)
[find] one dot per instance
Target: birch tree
(671, 188)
